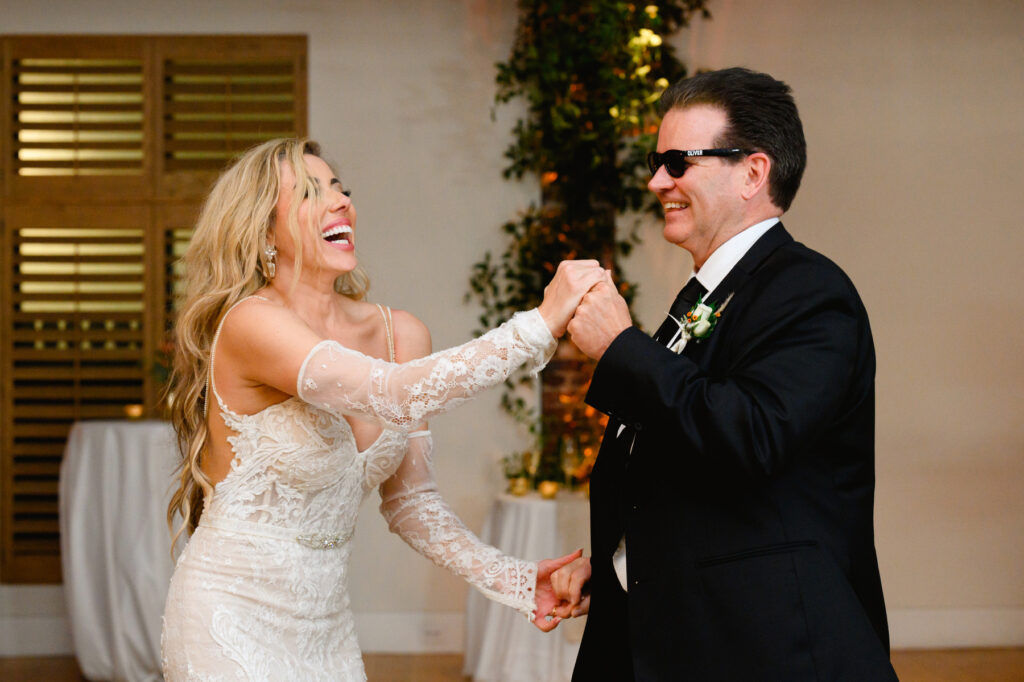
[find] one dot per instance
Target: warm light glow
(548, 489)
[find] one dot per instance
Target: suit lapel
(737, 278)
(752, 259)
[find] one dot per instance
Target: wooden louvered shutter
(75, 351)
(219, 99)
(77, 118)
(108, 145)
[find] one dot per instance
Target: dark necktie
(684, 301)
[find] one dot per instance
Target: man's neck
(725, 258)
(724, 236)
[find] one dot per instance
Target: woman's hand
(572, 280)
(544, 594)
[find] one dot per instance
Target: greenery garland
(591, 74)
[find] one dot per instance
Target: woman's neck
(312, 298)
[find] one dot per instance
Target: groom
(731, 502)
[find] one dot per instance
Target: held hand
(572, 589)
(572, 280)
(545, 594)
(600, 317)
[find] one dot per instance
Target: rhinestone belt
(319, 540)
(322, 540)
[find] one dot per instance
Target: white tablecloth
(115, 483)
(501, 645)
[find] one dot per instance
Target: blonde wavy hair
(225, 262)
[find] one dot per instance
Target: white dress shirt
(710, 275)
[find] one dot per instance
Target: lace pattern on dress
(344, 381)
(415, 510)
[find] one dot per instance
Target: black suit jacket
(746, 501)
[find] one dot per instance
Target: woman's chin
(340, 259)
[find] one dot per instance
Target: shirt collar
(726, 256)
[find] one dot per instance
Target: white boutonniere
(698, 323)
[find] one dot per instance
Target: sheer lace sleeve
(415, 510)
(345, 381)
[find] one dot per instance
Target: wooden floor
(959, 665)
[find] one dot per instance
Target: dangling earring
(271, 254)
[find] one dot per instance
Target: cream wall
(910, 113)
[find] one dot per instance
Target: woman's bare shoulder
(412, 336)
(265, 341)
(256, 318)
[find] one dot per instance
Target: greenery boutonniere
(699, 322)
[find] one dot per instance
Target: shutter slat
(18, 69)
(258, 87)
(121, 394)
(79, 277)
(23, 450)
(214, 68)
(228, 105)
(81, 107)
(32, 506)
(127, 145)
(61, 373)
(90, 88)
(129, 238)
(103, 258)
(76, 297)
(90, 163)
(31, 430)
(174, 127)
(226, 143)
(116, 126)
(35, 487)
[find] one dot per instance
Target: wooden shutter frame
(95, 188)
(171, 186)
(172, 201)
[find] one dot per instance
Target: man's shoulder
(796, 264)
(794, 279)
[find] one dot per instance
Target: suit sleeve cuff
(620, 374)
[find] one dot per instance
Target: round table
(115, 483)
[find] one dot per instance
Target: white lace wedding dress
(260, 591)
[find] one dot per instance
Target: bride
(292, 406)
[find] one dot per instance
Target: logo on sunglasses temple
(673, 159)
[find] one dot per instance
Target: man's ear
(758, 166)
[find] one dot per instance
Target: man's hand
(571, 586)
(545, 593)
(572, 280)
(600, 317)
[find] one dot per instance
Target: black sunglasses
(675, 163)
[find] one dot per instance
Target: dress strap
(389, 329)
(211, 385)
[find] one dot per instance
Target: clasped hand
(562, 589)
(582, 298)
